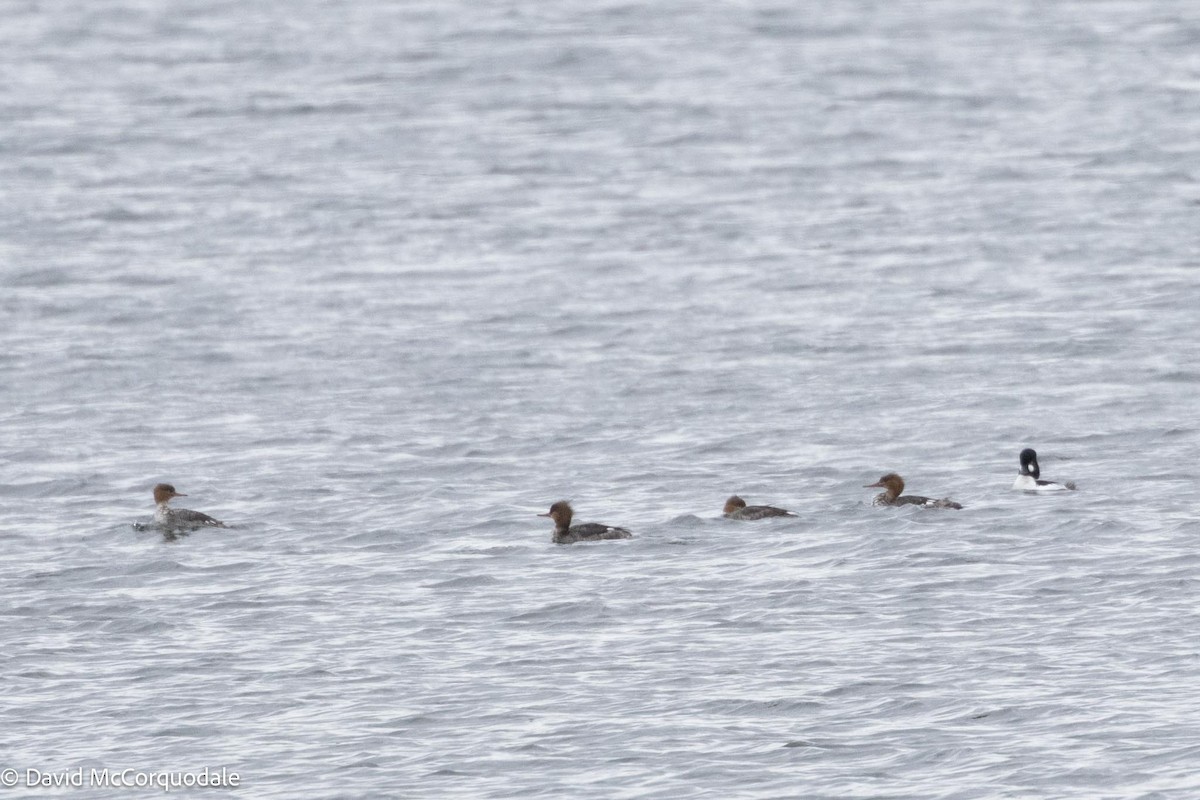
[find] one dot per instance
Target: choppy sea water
(376, 283)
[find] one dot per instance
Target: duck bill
(875, 485)
(544, 515)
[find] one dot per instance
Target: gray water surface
(377, 282)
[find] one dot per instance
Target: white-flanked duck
(179, 518)
(736, 508)
(1030, 478)
(566, 533)
(892, 485)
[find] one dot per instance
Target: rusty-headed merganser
(1028, 480)
(736, 508)
(178, 518)
(892, 485)
(565, 533)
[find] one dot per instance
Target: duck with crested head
(892, 485)
(566, 533)
(736, 508)
(178, 518)
(1029, 479)
(589, 531)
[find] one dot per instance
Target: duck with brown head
(178, 518)
(736, 508)
(566, 533)
(892, 485)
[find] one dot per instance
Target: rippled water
(376, 283)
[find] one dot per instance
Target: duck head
(561, 512)
(892, 485)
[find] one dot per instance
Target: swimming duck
(892, 485)
(178, 518)
(736, 508)
(1028, 479)
(565, 533)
